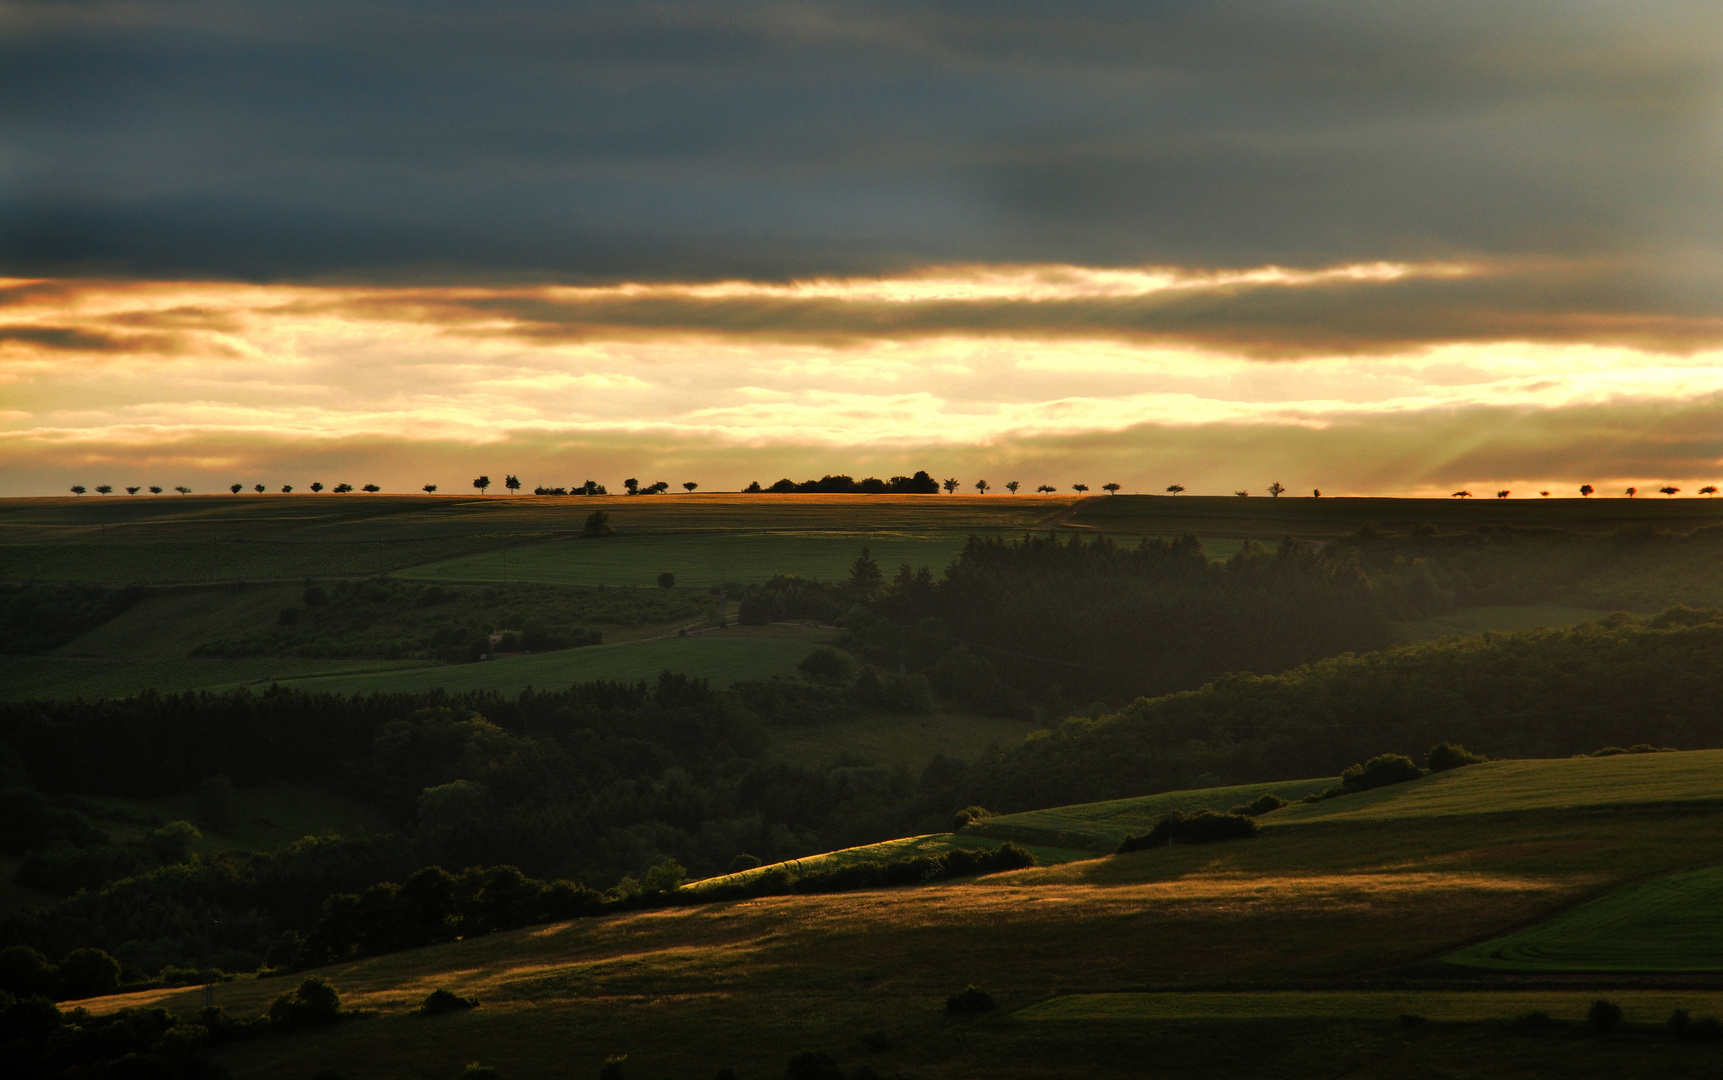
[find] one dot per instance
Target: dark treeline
(1040, 625)
(919, 484)
(1547, 693)
(36, 619)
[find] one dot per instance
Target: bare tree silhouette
(1012, 486)
(981, 487)
(1275, 489)
(1242, 494)
(949, 484)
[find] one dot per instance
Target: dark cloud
(603, 141)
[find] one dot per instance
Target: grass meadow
(723, 657)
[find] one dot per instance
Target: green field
(1638, 1006)
(1498, 787)
(55, 677)
(699, 559)
(722, 657)
(1672, 923)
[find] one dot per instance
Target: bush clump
(970, 999)
(313, 1004)
(1603, 1017)
(1263, 805)
(441, 1001)
(1445, 756)
(1706, 1029)
(1380, 771)
(1178, 827)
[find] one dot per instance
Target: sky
(1389, 249)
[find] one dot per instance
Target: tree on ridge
(690, 485)
(482, 483)
(430, 489)
(104, 489)
(78, 489)
(1111, 489)
(1275, 489)
(1174, 489)
(512, 483)
(1585, 490)
(949, 484)
(981, 487)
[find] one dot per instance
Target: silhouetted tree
(258, 488)
(633, 485)
(429, 489)
(1316, 493)
(512, 483)
(316, 485)
(342, 489)
(1545, 494)
(865, 575)
(482, 483)
(237, 488)
(1174, 489)
(183, 490)
(690, 485)
(981, 487)
(133, 490)
(1242, 494)
(1079, 488)
(1111, 489)
(1012, 486)
(949, 484)
(1708, 490)
(104, 489)
(78, 489)
(371, 489)
(1047, 489)
(1275, 489)
(287, 489)
(597, 524)
(1585, 490)
(1632, 491)
(1503, 494)
(155, 490)
(1461, 495)
(666, 580)
(1665, 489)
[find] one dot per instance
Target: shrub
(967, 816)
(1603, 1017)
(826, 664)
(1263, 805)
(172, 842)
(597, 524)
(1380, 772)
(441, 1001)
(314, 1003)
(971, 999)
(743, 862)
(813, 1065)
(87, 973)
(1200, 828)
(1444, 756)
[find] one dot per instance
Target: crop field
(58, 677)
(695, 558)
(1569, 1006)
(1316, 519)
(1672, 923)
(1624, 780)
(723, 658)
(243, 559)
(1098, 827)
(1291, 921)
